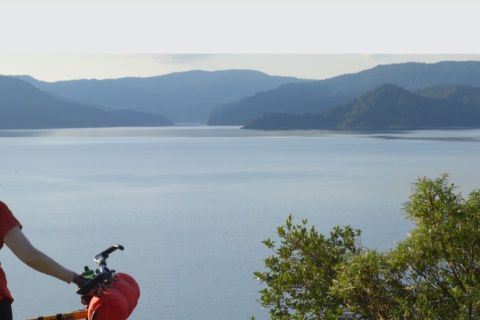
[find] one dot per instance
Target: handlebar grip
(104, 254)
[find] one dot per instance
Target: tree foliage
(432, 274)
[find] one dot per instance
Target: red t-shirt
(7, 222)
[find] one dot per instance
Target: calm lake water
(192, 204)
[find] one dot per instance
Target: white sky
(51, 67)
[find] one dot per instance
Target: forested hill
(183, 97)
(22, 106)
(460, 93)
(317, 96)
(384, 108)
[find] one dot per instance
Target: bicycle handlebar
(102, 279)
(103, 274)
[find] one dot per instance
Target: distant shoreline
(372, 131)
(220, 132)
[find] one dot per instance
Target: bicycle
(100, 286)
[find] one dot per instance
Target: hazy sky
(50, 67)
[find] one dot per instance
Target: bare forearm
(41, 262)
(34, 258)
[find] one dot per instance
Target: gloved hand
(79, 280)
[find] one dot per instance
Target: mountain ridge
(23, 106)
(342, 89)
(388, 107)
(188, 96)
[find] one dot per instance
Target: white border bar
(239, 27)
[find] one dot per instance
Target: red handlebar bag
(116, 302)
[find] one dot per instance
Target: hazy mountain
(182, 97)
(386, 107)
(22, 106)
(317, 96)
(288, 98)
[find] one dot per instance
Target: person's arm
(27, 253)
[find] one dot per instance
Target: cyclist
(12, 235)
